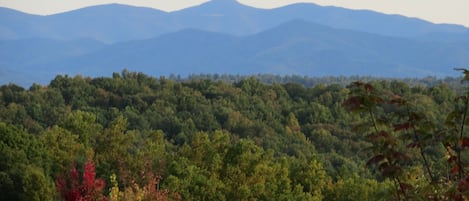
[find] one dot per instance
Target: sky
(437, 11)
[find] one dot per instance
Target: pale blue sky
(438, 11)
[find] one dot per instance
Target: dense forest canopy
(210, 137)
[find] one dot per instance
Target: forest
(220, 137)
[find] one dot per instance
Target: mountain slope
(295, 47)
(184, 51)
(106, 23)
(26, 61)
(363, 20)
(226, 16)
(313, 49)
(15, 24)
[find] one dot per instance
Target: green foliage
(22, 176)
(399, 126)
(62, 149)
(229, 137)
(354, 187)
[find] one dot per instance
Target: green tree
(22, 176)
(62, 148)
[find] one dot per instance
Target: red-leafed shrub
(88, 189)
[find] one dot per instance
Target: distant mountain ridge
(116, 23)
(296, 47)
(224, 36)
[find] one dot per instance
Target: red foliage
(405, 187)
(455, 169)
(404, 126)
(354, 103)
(397, 100)
(465, 142)
(463, 185)
(375, 159)
(90, 189)
(369, 87)
(413, 145)
(382, 135)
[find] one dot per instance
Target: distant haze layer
(452, 11)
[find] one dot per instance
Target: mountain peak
(232, 1)
(218, 7)
(224, 2)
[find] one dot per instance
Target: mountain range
(224, 36)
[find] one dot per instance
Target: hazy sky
(438, 11)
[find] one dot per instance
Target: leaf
(465, 142)
(373, 137)
(357, 84)
(354, 104)
(375, 159)
(362, 127)
(465, 72)
(461, 98)
(454, 115)
(398, 100)
(454, 170)
(383, 166)
(428, 136)
(413, 145)
(405, 187)
(463, 185)
(369, 87)
(452, 159)
(381, 135)
(404, 126)
(447, 145)
(413, 116)
(400, 156)
(389, 170)
(376, 99)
